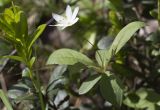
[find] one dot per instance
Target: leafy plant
(113, 92)
(14, 24)
(96, 69)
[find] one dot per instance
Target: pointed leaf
(125, 34)
(35, 35)
(13, 57)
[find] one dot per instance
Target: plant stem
(37, 86)
(40, 93)
(159, 12)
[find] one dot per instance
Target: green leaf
(5, 100)
(58, 72)
(5, 26)
(124, 35)
(18, 90)
(143, 98)
(32, 61)
(89, 84)
(14, 23)
(154, 13)
(69, 57)
(21, 26)
(36, 35)
(13, 57)
(105, 42)
(111, 89)
(25, 72)
(103, 57)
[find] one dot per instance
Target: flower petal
(68, 12)
(75, 20)
(75, 13)
(57, 17)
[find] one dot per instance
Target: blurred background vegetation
(137, 64)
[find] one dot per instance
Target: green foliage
(89, 84)
(69, 57)
(124, 35)
(33, 37)
(94, 70)
(13, 22)
(111, 89)
(5, 100)
(143, 99)
(103, 57)
(109, 85)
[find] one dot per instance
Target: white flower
(68, 20)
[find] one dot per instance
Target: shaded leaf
(58, 72)
(21, 27)
(111, 89)
(105, 42)
(103, 57)
(89, 84)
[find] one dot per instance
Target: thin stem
(159, 12)
(40, 93)
(37, 85)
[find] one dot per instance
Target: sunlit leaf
(125, 34)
